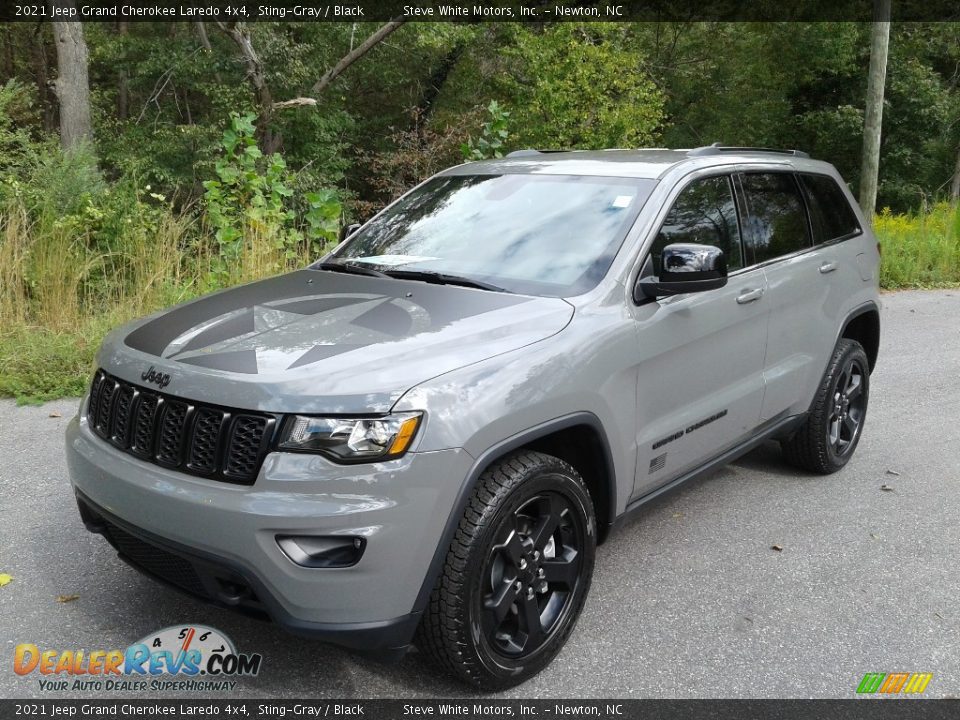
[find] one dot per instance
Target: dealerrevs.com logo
(182, 657)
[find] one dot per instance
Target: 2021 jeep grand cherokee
(422, 437)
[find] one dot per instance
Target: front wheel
(827, 439)
(516, 574)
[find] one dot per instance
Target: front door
(700, 355)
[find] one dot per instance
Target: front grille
(195, 438)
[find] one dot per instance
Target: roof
(645, 163)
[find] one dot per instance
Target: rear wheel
(829, 437)
(516, 574)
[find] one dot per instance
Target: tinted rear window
(777, 220)
(830, 213)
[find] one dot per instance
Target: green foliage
(37, 364)
(920, 249)
(583, 86)
(249, 196)
(493, 136)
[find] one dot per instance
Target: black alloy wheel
(829, 436)
(849, 407)
(531, 573)
(516, 574)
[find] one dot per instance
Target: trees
(269, 141)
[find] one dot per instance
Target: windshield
(551, 235)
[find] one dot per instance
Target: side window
(830, 213)
(704, 213)
(777, 220)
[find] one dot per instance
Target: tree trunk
(123, 80)
(955, 187)
(266, 139)
(42, 74)
(72, 85)
(873, 117)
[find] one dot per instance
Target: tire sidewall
(554, 477)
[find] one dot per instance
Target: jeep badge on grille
(161, 380)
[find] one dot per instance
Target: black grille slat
(195, 438)
(202, 456)
(172, 427)
(143, 425)
(246, 443)
(121, 416)
(108, 391)
(94, 403)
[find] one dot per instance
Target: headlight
(351, 439)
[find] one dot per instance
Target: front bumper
(218, 541)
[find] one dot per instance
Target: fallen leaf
(67, 598)
(678, 515)
(777, 548)
(886, 488)
(893, 472)
(5, 579)
(55, 415)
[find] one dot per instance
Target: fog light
(330, 551)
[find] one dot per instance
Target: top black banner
(471, 12)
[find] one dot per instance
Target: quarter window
(776, 221)
(830, 213)
(704, 213)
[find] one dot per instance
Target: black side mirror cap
(685, 268)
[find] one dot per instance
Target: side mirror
(685, 268)
(348, 230)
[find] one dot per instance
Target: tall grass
(920, 250)
(62, 290)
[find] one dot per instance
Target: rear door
(802, 273)
(699, 355)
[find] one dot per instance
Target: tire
(829, 436)
(522, 558)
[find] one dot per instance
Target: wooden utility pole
(873, 116)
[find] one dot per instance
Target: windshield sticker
(393, 260)
(622, 201)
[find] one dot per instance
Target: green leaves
(492, 137)
(250, 205)
(583, 85)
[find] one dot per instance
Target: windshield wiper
(443, 279)
(350, 267)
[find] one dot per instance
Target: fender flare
(870, 306)
(483, 461)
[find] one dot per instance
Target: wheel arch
(579, 436)
(863, 325)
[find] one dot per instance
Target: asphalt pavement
(690, 599)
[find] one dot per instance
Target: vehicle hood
(316, 341)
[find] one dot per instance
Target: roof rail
(718, 149)
(529, 152)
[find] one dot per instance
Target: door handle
(749, 296)
(827, 267)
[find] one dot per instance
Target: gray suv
(422, 438)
